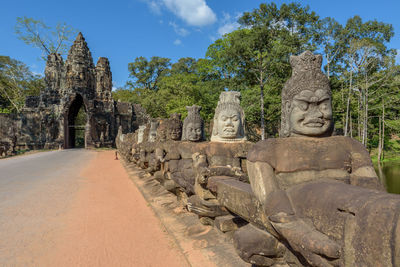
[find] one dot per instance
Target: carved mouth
(314, 124)
(229, 129)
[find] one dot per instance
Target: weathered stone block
(229, 223)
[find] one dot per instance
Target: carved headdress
(193, 117)
(306, 75)
(229, 100)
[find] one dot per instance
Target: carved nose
(314, 110)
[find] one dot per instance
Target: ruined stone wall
(8, 134)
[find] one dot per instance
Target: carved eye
(235, 118)
(303, 105)
(224, 118)
(324, 104)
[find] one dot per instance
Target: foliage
(16, 82)
(48, 40)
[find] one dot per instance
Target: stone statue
(162, 130)
(153, 131)
(281, 168)
(174, 131)
(141, 133)
(193, 125)
(228, 119)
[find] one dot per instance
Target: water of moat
(389, 172)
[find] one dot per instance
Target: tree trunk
(262, 111)
(383, 129)
(358, 115)
(380, 140)
(365, 137)
(348, 105)
(350, 125)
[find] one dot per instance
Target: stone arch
(70, 116)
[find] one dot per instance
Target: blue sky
(123, 30)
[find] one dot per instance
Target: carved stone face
(175, 133)
(228, 124)
(310, 113)
(194, 131)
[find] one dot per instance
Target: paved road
(34, 191)
(77, 208)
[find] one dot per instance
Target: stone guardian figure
(193, 125)
(293, 178)
(228, 119)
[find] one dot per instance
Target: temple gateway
(75, 109)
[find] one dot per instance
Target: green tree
(17, 82)
(48, 40)
(146, 74)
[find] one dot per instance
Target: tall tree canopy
(48, 40)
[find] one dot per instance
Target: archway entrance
(74, 124)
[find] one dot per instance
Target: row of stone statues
(228, 124)
(313, 200)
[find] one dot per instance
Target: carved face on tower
(228, 119)
(193, 125)
(175, 127)
(306, 99)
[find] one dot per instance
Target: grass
(389, 156)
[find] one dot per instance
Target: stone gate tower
(48, 120)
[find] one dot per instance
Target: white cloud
(228, 24)
(227, 28)
(177, 42)
(179, 30)
(193, 12)
(155, 6)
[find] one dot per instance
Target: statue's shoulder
(266, 150)
(350, 143)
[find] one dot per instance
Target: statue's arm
(262, 180)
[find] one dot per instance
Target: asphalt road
(34, 191)
(78, 208)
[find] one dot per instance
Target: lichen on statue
(193, 125)
(228, 119)
(308, 154)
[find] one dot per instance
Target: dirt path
(110, 224)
